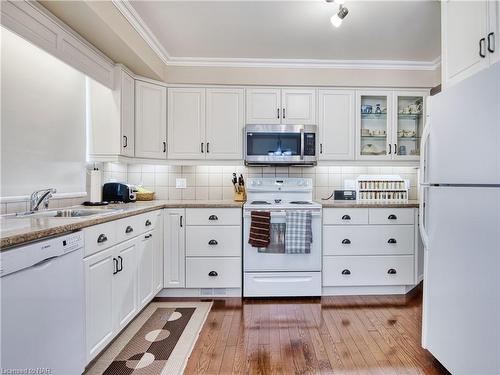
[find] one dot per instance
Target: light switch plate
(180, 183)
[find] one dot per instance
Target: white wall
(42, 121)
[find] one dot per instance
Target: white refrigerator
(460, 225)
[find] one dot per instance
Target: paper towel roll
(95, 185)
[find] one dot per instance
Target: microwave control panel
(309, 144)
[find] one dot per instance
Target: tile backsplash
(214, 182)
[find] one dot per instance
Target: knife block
(240, 196)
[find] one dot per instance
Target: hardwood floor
(331, 335)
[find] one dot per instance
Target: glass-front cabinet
(389, 124)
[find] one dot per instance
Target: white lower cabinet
(121, 279)
(174, 248)
(213, 272)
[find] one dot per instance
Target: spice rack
(380, 188)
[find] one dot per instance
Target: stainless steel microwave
(280, 144)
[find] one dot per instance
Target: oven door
(274, 257)
(280, 144)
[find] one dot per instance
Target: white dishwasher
(42, 309)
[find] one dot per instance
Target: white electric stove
(271, 272)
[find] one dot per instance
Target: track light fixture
(337, 18)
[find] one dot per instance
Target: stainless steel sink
(68, 213)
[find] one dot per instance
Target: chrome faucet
(41, 197)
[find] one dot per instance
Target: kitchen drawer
(209, 241)
(129, 227)
(368, 239)
(213, 216)
(99, 237)
(392, 216)
(149, 220)
(368, 270)
(345, 216)
(279, 284)
(226, 272)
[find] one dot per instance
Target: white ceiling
(292, 30)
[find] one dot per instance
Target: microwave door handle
(302, 144)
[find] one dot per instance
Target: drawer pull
(148, 236)
(391, 271)
(212, 242)
(129, 229)
(213, 217)
(213, 274)
(346, 241)
(346, 217)
(102, 238)
(148, 223)
(392, 217)
(346, 272)
(392, 240)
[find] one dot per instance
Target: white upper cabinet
(186, 123)
(150, 120)
(127, 101)
(469, 38)
(281, 106)
(263, 106)
(336, 124)
(225, 123)
(298, 106)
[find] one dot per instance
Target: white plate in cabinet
(345, 216)
(99, 237)
(368, 270)
(213, 272)
(368, 240)
(213, 216)
(391, 216)
(213, 241)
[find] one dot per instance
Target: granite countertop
(356, 204)
(19, 230)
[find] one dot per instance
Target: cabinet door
(225, 123)
(298, 106)
(98, 301)
(158, 254)
(494, 31)
(127, 103)
(460, 40)
(336, 124)
(186, 123)
(408, 120)
(373, 125)
(174, 248)
(125, 284)
(263, 106)
(145, 267)
(150, 120)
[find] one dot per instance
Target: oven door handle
(302, 143)
(280, 214)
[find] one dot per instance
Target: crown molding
(140, 26)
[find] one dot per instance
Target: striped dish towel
(259, 228)
(298, 234)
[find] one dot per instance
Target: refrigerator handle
(423, 152)
(421, 217)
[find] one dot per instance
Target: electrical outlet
(180, 183)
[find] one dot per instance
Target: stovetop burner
(300, 202)
(260, 202)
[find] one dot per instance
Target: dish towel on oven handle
(259, 228)
(298, 234)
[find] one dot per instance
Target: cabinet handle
(346, 217)
(201, 147)
(392, 217)
(346, 241)
(395, 149)
(102, 238)
(390, 152)
(121, 264)
(180, 221)
(164, 146)
(482, 53)
(208, 147)
(283, 112)
(148, 223)
(346, 272)
(491, 45)
(115, 266)
(392, 240)
(321, 148)
(392, 271)
(213, 274)
(129, 229)
(148, 236)
(278, 113)
(212, 242)
(213, 217)
(125, 141)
